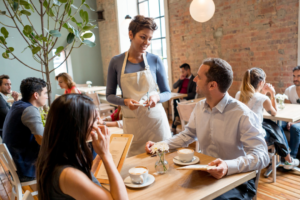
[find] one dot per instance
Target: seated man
(23, 128)
(225, 128)
(293, 93)
(186, 86)
(5, 89)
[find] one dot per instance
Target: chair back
(95, 98)
(256, 182)
(56, 96)
(11, 167)
(27, 196)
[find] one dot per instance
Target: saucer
(149, 181)
(178, 162)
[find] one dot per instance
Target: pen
(148, 100)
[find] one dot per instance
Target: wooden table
(91, 89)
(180, 184)
(291, 113)
(116, 130)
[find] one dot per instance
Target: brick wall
(246, 33)
(108, 33)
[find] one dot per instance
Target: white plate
(149, 181)
(178, 162)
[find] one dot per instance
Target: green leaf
(2, 40)
(24, 3)
(88, 43)
(4, 32)
(63, 1)
(56, 2)
(11, 49)
(81, 14)
(35, 50)
(16, 6)
(87, 28)
(2, 12)
(45, 4)
(89, 7)
(83, 1)
(5, 55)
(44, 39)
(73, 19)
(77, 34)
(70, 38)
(25, 12)
(79, 24)
(55, 33)
(87, 35)
(86, 17)
(59, 50)
(31, 7)
(27, 30)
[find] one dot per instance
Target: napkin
(198, 167)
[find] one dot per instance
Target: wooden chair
(185, 110)
(256, 182)
(273, 167)
(15, 181)
(105, 109)
(27, 196)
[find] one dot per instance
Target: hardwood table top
(180, 184)
(290, 113)
(103, 92)
(91, 89)
(115, 130)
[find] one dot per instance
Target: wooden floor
(287, 185)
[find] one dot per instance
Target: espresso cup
(185, 155)
(138, 174)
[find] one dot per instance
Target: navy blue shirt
(22, 122)
(114, 73)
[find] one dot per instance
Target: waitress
(137, 72)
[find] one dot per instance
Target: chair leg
(274, 158)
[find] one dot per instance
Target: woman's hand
(152, 101)
(269, 88)
(101, 140)
(129, 103)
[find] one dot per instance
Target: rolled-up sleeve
(254, 145)
(31, 118)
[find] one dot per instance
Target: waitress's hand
(101, 139)
(152, 101)
(129, 103)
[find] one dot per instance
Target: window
(156, 10)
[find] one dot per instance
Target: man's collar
(221, 105)
(4, 97)
(190, 76)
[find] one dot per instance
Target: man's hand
(15, 95)
(288, 126)
(148, 146)
(221, 168)
(182, 77)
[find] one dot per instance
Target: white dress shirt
(230, 131)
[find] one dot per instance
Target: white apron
(146, 125)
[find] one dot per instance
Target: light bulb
(125, 25)
(202, 10)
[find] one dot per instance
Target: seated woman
(64, 165)
(66, 82)
(114, 120)
(254, 83)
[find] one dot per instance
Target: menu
(117, 146)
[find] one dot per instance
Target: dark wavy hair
(3, 77)
(68, 125)
(31, 85)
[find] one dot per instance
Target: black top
(4, 108)
(54, 189)
(191, 89)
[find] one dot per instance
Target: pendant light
(202, 10)
(125, 24)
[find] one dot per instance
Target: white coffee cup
(138, 174)
(185, 155)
